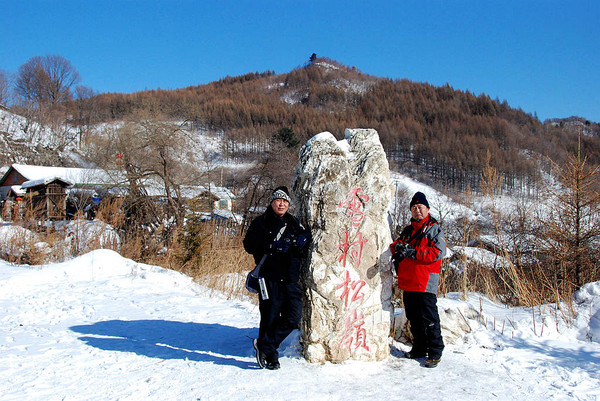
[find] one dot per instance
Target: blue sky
(540, 56)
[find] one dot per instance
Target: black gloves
(402, 251)
(284, 245)
(281, 245)
(301, 241)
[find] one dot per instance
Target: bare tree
(572, 224)
(511, 231)
(46, 80)
(86, 111)
(4, 87)
(400, 212)
(275, 168)
(153, 155)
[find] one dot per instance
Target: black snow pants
(279, 316)
(422, 314)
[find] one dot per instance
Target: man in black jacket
(280, 236)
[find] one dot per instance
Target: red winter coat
(421, 273)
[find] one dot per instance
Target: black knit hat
(419, 197)
(281, 193)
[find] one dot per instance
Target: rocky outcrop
(343, 192)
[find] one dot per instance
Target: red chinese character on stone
(351, 290)
(355, 204)
(354, 334)
(355, 254)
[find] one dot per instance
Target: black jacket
(260, 237)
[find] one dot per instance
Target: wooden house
(214, 198)
(46, 199)
(23, 187)
(27, 187)
(206, 198)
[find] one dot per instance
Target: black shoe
(415, 354)
(273, 365)
(431, 363)
(260, 357)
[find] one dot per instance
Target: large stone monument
(343, 192)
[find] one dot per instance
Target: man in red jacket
(417, 256)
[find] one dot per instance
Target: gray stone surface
(343, 192)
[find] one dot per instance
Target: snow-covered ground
(101, 327)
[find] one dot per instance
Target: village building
(18, 174)
(211, 200)
(46, 199)
(45, 190)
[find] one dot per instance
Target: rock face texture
(343, 192)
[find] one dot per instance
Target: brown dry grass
(218, 262)
(214, 257)
(209, 252)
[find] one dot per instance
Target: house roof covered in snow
(154, 188)
(219, 192)
(45, 181)
(82, 178)
(76, 176)
(18, 190)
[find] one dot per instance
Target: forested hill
(439, 134)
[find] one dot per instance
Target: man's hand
(281, 245)
(402, 251)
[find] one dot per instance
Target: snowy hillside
(20, 137)
(23, 139)
(101, 327)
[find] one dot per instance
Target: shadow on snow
(202, 342)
